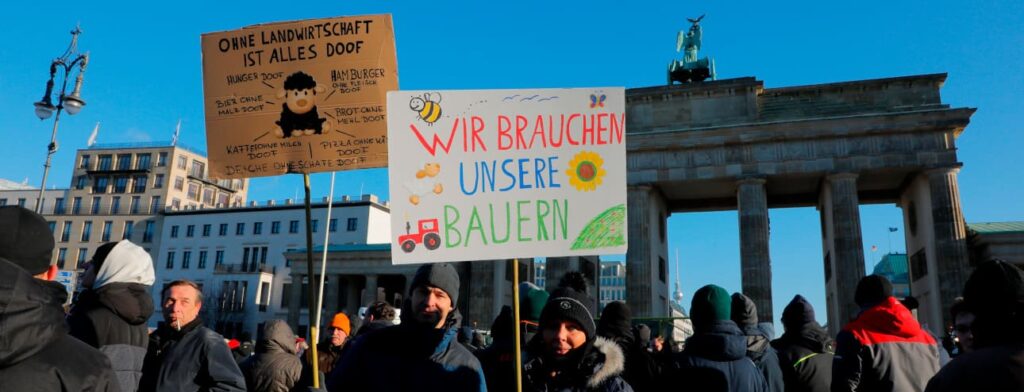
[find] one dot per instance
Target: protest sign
(487, 174)
(298, 97)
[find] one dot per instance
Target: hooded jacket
(715, 359)
(641, 369)
(275, 367)
(804, 350)
(36, 353)
(408, 357)
(599, 369)
(884, 349)
(192, 359)
(759, 350)
(112, 315)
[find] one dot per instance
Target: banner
(298, 97)
(495, 174)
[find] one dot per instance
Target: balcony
(212, 183)
(243, 268)
(226, 306)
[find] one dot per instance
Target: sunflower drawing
(586, 171)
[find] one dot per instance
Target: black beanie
(503, 325)
(744, 311)
(25, 239)
(872, 290)
(442, 276)
(616, 321)
(798, 313)
(566, 303)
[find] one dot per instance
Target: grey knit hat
(442, 276)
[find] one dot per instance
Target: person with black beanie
(884, 348)
(566, 354)
(995, 294)
(759, 350)
(616, 324)
(498, 359)
(804, 349)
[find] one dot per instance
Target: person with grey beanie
(424, 347)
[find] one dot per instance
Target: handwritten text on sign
(304, 96)
(489, 174)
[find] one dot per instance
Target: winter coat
(327, 355)
(112, 315)
(884, 349)
(275, 367)
(805, 356)
(759, 348)
(373, 326)
(36, 352)
(408, 357)
(999, 368)
(599, 369)
(193, 359)
(641, 369)
(715, 359)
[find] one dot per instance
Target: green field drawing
(604, 231)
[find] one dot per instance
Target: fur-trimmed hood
(613, 365)
(600, 369)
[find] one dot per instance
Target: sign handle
(515, 313)
(312, 288)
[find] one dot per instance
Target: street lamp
(72, 102)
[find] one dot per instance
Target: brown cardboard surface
(255, 127)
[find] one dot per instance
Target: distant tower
(677, 295)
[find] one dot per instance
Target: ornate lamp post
(72, 102)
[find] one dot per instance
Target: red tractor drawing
(428, 236)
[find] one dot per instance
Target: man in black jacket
(112, 311)
(804, 350)
(759, 350)
(421, 353)
(184, 355)
(36, 352)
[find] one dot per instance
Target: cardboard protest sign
(486, 174)
(302, 97)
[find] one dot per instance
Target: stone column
(849, 247)
(951, 256)
(331, 294)
(294, 300)
(351, 294)
(755, 260)
(645, 290)
(370, 292)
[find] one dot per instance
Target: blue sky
(145, 74)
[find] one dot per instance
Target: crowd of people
(103, 343)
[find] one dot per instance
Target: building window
(918, 265)
(202, 260)
(135, 204)
(99, 184)
(86, 230)
(76, 206)
(3, 202)
(285, 292)
(80, 182)
(263, 257)
(139, 184)
(161, 159)
(62, 255)
(154, 205)
(206, 230)
(316, 225)
(208, 196)
(21, 202)
(275, 227)
(353, 224)
(124, 161)
(106, 230)
(170, 260)
(66, 233)
(58, 207)
(142, 162)
(174, 231)
(182, 162)
(186, 258)
(240, 228)
(158, 181)
(120, 184)
(176, 203)
(53, 226)
(198, 169)
(218, 258)
(129, 226)
(293, 227)
(95, 205)
(147, 234)
(222, 199)
(245, 256)
(179, 183)
(115, 205)
(193, 192)
(662, 269)
(257, 228)
(105, 162)
(84, 162)
(332, 225)
(190, 231)
(222, 230)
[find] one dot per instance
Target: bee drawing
(428, 107)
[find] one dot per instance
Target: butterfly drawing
(597, 101)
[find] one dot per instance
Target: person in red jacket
(884, 348)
